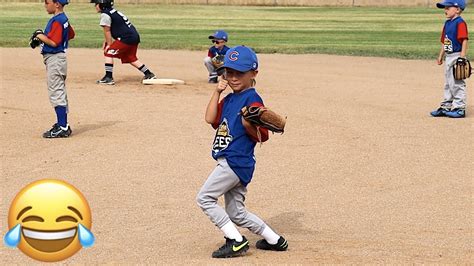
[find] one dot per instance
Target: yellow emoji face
(49, 220)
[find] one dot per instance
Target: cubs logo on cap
(240, 58)
(234, 56)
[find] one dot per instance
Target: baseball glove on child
(218, 60)
(264, 117)
(462, 69)
(34, 40)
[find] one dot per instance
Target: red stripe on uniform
(56, 33)
(462, 32)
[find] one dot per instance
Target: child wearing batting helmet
(233, 149)
(453, 48)
(54, 42)
(215, 54)
(121, 41)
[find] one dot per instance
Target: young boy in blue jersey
(121, 41)
(233, 149)
(219, 39)
(54, 41)
(454, 46)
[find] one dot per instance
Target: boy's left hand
(264, 117)
(34, 40)
(462, 69)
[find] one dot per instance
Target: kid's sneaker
(281, 245)
(439, 112)
(456, 113)
(57, 132)
(149, 76)
(106, 81)
(232, 248)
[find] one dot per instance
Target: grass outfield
(386, 32)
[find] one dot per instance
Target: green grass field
(386, 32)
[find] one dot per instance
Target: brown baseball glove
(264, 117)
(218, 60)
(462, 69)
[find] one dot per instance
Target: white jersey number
(125, 19)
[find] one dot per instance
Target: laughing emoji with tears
(49, 220)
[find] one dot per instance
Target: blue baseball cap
(240, 58)
(456, 3)
(219, 35)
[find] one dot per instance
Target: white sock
(270, 235)
(230, 231)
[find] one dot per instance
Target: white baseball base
(163, 81)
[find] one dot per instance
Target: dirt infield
(362, 175)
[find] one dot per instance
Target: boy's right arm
(441, 56)
(107, 36)
(212, 107)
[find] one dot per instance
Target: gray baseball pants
(210, 67)
(454, 90)
(223, 181)
(56, 71)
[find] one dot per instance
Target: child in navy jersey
(121, 41)
(219, 39)
(233, 149)
(454, 46)
(55, 41)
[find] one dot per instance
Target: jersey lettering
(448, 45)
(223, 137)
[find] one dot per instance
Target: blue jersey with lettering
(121, 28)
(231, 140)
(454, 32)
(62, 19)
(213, 51)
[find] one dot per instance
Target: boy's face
(50, 6)
(451, 11)
(239, 81)
(218, 43)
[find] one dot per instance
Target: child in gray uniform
(219, 39)
(454, 47)
(54, 41)
(233, 149)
